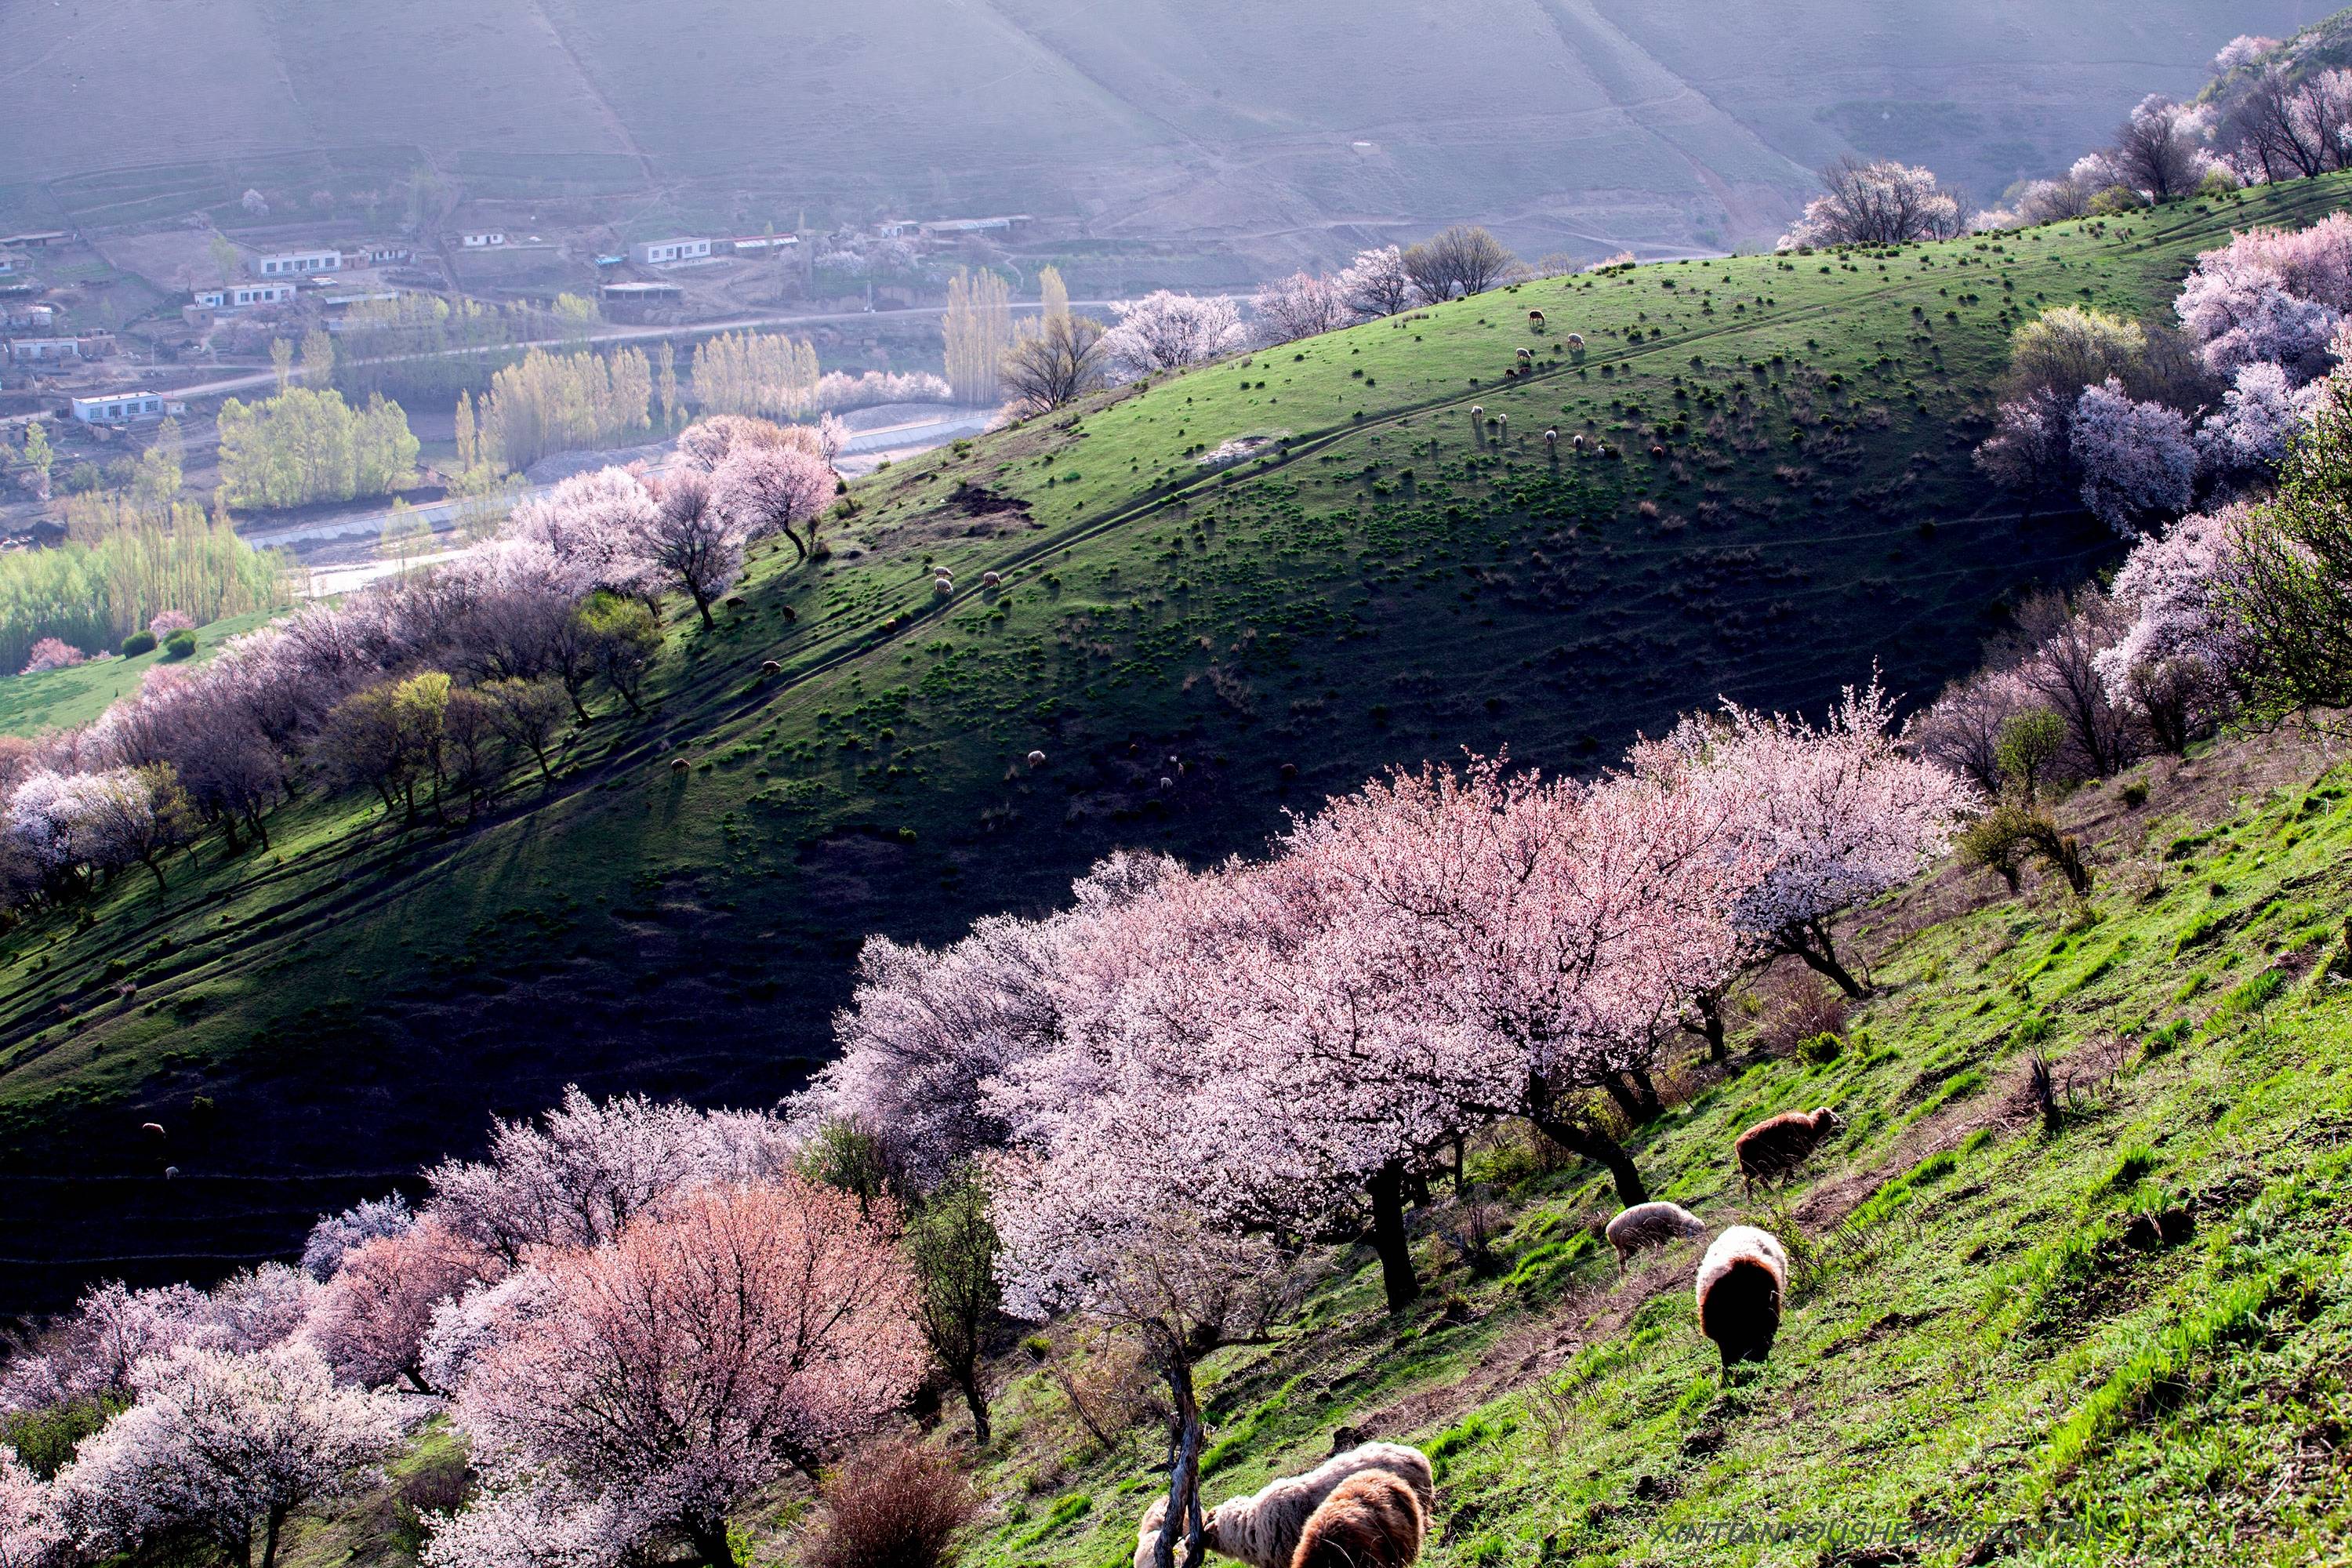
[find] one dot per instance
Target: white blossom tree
(1166, 331)
(1375, 284)
(1876, 203)
(1299, 306)
(231, 1445)
(2137, 461)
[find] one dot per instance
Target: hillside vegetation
(2105, 1325)
(1208, 119)
(1193, 650)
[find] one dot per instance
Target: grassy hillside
(1194, 652)
(2114, 1335)
(64, 699)
(1578, 124)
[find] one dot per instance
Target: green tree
(2028, 743)
(624, 641)
(953, 1246)
(2290, 588)
(281, 359)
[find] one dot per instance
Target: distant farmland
(1287, 132)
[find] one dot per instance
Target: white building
(481, 241)
(119, 408)
(295, 263)
(240, 296)
(662, 252)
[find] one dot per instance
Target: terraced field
(1788, 500)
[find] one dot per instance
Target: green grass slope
(1194, 652)
(2122, 1338)
(66, 699)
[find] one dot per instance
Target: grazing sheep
(1778, 1144)
(1536, 319)
(1741, 1281)
(943, 587)
(1580, 440)
(1477, 411)
(1525, 355)
(1370, 1520)
(769, 667)
(1657, 451)
(1036, 759)
(1264, 1529)
(1576, 340)
(990, 579)
(1650, 1224)
(1551, 437)
(680, 766)
(153, 1128)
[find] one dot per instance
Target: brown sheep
(1370, 1520)
(1741, 1282)
(1262, 1528)
(1536, 319)
(1777, 1145)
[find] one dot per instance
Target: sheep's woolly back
(1741, 1282)
(1777, 1143)
(1262, 1528)
(1370, 1520)
(1651, 1225)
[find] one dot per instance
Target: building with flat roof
(297, 263)
(481, 241)
(119, 408)
(242, 296)
(663, 252)
(42, 351)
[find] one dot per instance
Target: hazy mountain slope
(1397, 584)
(1580, 122)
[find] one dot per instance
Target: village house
(297, 263)
(43, 351)
(119, 408)
(663, 252)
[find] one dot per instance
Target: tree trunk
(1397, 1277)
(1589, 1141)
(156, 871)
(975, 1400)
(1707, 1022)
(708, 1538)
(1183, 1472)
(703, 606)
(272, 1523)
(1811, 946)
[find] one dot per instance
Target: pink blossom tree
(693, 542)
(2247, 436)
(686, 1365)
(1877, 203)
(595, 526)
(1299, 306)
(1826, 817)
(2181, 641)
(370, 1317)
(768, 490)
(1165, 330)
(2137, 461)
(31, 1533)
(588, 1168)
(230, 1446)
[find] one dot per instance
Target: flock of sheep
(1369, 1508)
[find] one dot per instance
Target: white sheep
(990, 579)
(1036, 759)
(1262, 1528)
(1576, 340)
(1477, 411)
(1650, 1224)
(1551, 436)
(1741, 1282)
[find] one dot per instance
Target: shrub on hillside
(138, 643)
(180, 643)
(894, 1504)
(53, 653)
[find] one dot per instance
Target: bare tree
(1056, 361)
(2272, 124)
(1464, 260)
(2153, 150)
(695, 540)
